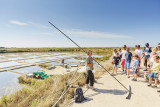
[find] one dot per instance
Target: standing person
(114, 54)
(116, 63)
(120, 53)
(89, 66)
(135, 67)
(139, 52)
(151, 59)
(146, 55)
(158, 49)
(154, 71)
(128, 61)
(136, 48)
(124, 51)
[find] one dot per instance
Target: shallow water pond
(27, 70)
(9, 83)
(8, 64)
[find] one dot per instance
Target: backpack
(78, 95)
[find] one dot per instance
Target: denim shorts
(153, 75)
(127, 65)
(146, 56)
(116, 66)
(135, 72)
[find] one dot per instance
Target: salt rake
(127, 89)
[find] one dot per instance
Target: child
(139, 52)
(151, 59)
(89, 67)
(154, 71)
(123, 57)
(135, 67)
(116, 63)
(128, 61)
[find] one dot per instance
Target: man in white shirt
(124, 51)
(139, 52)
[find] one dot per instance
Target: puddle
(33, 60)
(9, 83)
(8, 64)
(55, 63)
(72, 60)
(27, 70)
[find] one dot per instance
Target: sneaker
(134, 79)
(148, 84)
(145, 70)
(154, 86)
(158, 91)
(128, 76)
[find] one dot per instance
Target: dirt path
(109, 93)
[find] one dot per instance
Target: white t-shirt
(123, 54)
(152, 57)
(114, 54)
(139, 52)
(158, 53)
(146, 51)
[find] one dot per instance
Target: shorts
(122, 61)
(116, 66)
(127, 65)
(153, 75)
(135, 72)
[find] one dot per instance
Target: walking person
(146, 55)
(89, 67)
(124, 51)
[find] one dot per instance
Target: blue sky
(90, 23)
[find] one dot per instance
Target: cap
(146, 44)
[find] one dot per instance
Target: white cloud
(90, 34)
(38, 25)
(47, 34)
(18, 23)
(95, 34)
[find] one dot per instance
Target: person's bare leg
(136, 76)
(138, 72)
(123, 67)
(150, 80)
(128, 72)
(156, 82)
(116, 70)
(113, 70)
(87, 86)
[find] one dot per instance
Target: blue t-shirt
(128, 56)
(135, 62)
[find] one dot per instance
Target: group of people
(149, 56)
(123, 58)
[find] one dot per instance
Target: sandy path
(109, 93)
